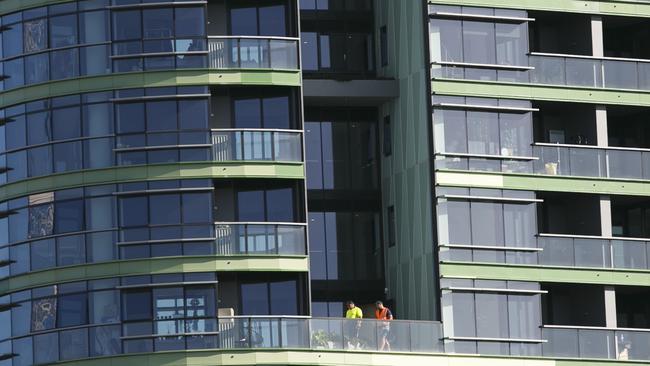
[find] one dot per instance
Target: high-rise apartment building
(208, 182)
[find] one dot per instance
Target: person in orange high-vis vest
(383, 313)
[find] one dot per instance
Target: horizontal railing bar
(488, 156)
(492, 247)
(488, 198)
(279, 38)
(170, 335)
(485, 66)
(578, 327)
(169, 190)
(166, 284)
(490, 339)
(564, 55)
(256, 130)
(594, 147)
(480, 16)
(260, 223)
(489, 289)
(486, 107)
(572, 236)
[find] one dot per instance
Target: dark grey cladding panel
(351, 92)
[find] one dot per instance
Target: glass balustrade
(260, 238)
(561, 160)
(585, 342)
(253, 53)
(330, 334)
(255, 144)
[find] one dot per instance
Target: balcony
(251, 52)
(596, 342)
(593, 251)
(260, 238)
(556, 69)
(559, 160)
(329, 334)
(257, 144)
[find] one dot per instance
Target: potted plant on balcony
(321, 339)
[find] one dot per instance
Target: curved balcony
(252, 52)
(230, 333)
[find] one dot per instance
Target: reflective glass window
(251, 206)
(71, 250)
(64, 63)
(243, 21)
(272, 20)
(130, 117)
(39, 160)
(133, 211)
(94, 27)
(37, 68)
(247, 113)
(279, 205)
(190, 22)
(254, 298)
(276, 112)
(158, 23)
(43, 254)
(74, 344)
(46, 348)
(12, 40)
(127, 25)
(73, 310)
(15, 69)
(38, 128)
(63, 31)
(161, 116)
(66, 123)
(136, 305)
(197, 208)
(164, 209)
(68, 216)
(283, 297)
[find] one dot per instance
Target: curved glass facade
(117, 220)
(95, 37)
(142, 126)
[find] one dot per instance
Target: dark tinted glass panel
(130, 117)
(64, 64)
(43, 254)
(158, 23)
(69, 216)
(161, 116)
(248, 113)
(66, 123)
(39, 160)
(193, 114)
(190, 22)
(94, 26)
(126, 25)
(164, 209)
(133, 211)
(255, 299)
(243, 22)
(279, 205)
(38, 128)
(251, 206)
(12, 40)
(63, 31)
(276, 112)
(272, 21)
(37, 68)
(67, 156)
(309, 50)
(71, 250)
(284, 299)
(136, 305)
(73, 310)
(16, 133)
(197, 208)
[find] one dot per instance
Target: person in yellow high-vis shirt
(353, 312)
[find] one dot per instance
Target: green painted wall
(634, 8)
(248, 263)
(150, 79)
(493, 89)
(184, 170)
(532, 182)
(406, 175)
(544, 273)
(324, 357)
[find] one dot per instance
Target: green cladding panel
(406, 174)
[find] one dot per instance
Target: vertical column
(610, 307)
(602, 140)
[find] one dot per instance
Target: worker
(383, 314)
